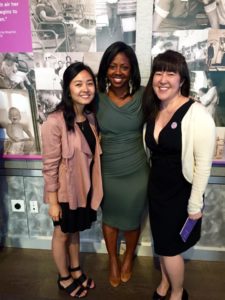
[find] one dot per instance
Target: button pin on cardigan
(174, 125)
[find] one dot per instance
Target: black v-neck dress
(169, 191)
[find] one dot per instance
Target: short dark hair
(66, 104)
(108, 56)
(171, 61)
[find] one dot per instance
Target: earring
(130, 86)
(107, 85)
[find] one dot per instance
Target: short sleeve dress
(124, 165)
(169, 191)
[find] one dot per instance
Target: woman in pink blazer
(72, 174)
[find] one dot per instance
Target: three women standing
(124, 166)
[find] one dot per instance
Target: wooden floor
(31, 274)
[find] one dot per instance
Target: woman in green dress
(124, 165)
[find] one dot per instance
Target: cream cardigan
(198, 144)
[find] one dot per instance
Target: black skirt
(76, 220)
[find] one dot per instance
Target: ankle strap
(64, 278)
(75, 269)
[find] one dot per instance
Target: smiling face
(82, 89)
(166, 85)
(14, 115)
(119, 70)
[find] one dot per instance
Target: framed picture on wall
(115, 21)
(17, 130)
(17, 71)
(63, 26)
(171, 15)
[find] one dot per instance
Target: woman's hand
(55, 211)
(195, 216)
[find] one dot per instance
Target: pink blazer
(66, 163)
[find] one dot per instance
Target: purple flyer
(187, 229)
(15, 27)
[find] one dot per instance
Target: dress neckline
(171, 120)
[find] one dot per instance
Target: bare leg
(74, 257)
(164, 284)
(174, 266)
(131, 238)
(60, 255)
(74, 250)
(59, 251)
(111, 237)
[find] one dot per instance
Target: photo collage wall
(62, 32)
(66, 31)
(197, 30)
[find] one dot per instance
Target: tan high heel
(114, 281)
(126, 276)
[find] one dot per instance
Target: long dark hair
(107, 58)
(66, 104)
(170, 61)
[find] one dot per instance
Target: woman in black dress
(180, 137)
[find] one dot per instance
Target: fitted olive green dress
(124, 165)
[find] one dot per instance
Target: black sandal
(72, 287)
(83, 278)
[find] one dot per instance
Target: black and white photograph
(49, 68)
(63, 26)
(191, 43)
(208, 88)
(220, 145)
(162, 41)
(92, 59)
(115, 21)
(17, 71)
(16, 124)
(216, 50)
(46, 103)
(171, 15)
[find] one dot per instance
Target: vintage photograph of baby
(17, 135)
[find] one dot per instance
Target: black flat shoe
(184, 295)
(156, 296)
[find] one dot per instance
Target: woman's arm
(46, 18)
(54, 210)
(203, 150)
(211, 12)
(162, 9)
(51, 153)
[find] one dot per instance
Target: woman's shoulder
(199, 108)
(55, 115)
(201, 115)
(54, 119)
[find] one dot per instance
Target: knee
(60, 236)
